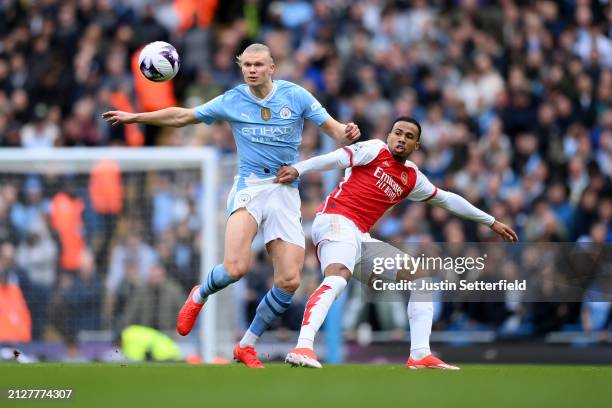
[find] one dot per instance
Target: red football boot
(429, 361)
(188, 314)
(248, 356)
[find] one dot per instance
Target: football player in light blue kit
(267, 118)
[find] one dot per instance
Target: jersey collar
(264, 100)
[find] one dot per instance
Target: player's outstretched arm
(461, 207)
(341, 133)
(338, 159)
(169, 117)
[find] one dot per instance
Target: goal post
(17, 162)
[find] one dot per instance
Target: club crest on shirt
(285, 113)
(244, 198)
(404, 178)
(266, 113)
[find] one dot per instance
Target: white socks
(420, 316)
(248, 339)
(317, 308)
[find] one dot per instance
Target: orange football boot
(188, 314)
(247, 356)
(429, 361)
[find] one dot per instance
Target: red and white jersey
(373, 183)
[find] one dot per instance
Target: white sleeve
(423, 188)
(363, 153)
(425, 191)
(338, 159)
(358, 154)
(461, 207)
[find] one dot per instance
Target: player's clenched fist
(352, 132)
(286, 174)
(117, 117)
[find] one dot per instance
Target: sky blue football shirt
(268, 131)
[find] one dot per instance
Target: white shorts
(275, 207)
(338, 240)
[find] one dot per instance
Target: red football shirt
(373, 183)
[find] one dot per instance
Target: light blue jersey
(268, 131)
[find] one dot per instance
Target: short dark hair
(408, 119)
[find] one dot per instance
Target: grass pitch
(376, 386)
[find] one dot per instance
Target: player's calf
(317, 308)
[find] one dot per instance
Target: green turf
(175, 386)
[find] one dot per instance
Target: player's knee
(288, 284)
(236, 269)
(337, 269)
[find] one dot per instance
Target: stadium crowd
(514, 97)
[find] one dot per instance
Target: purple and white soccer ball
(159, 61)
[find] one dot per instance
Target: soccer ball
(159, 61)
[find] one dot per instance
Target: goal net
(94, 240)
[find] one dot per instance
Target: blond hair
(257, 47)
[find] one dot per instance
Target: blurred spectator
(66, 218)
(596, 313)
(80, 129)
(15, 319)
(480, 87)
(32, 208)
(80, 299)
(82, 293)
(41, 133)
(156, 303)
(37, 256)
(114, 302)
(167, 204)
(7, 230)
(134, 250)
(106, 195)
(564, 211)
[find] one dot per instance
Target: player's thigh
(333, 227)
(240, 231)
(373, 255)
(252, 198)
(336, 241)
(282, 216)
(337, 258)
(287, 260)
(336, 252)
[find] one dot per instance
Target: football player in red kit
(377, 176)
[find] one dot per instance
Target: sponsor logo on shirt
(266, 133)
(387, 184)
